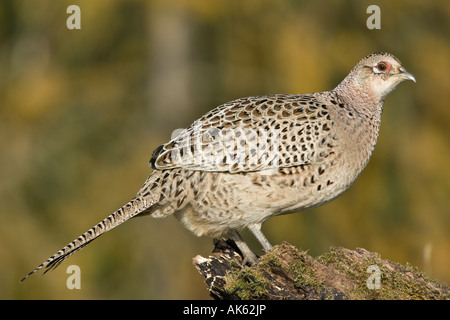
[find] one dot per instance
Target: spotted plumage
(253, 158)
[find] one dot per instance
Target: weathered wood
(286, 272)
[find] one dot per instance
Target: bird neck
(359, 97)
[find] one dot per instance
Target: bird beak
(405, 74)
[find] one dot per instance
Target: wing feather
(249, 134)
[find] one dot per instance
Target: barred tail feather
(129, 210)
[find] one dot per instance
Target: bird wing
(249, 134)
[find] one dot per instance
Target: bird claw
(250, 261)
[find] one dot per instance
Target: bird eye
(382, 67)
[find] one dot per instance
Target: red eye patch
(383, 66)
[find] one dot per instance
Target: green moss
(246, 283)
(305, 276)
(330, 257)
(270, 259)
(235, 264)
(303, 272)
(396, 283)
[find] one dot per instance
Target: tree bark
(286, 272)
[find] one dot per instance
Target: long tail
(132, 208)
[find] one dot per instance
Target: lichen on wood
(286, 272)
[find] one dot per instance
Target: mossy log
(286, 272)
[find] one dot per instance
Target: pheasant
(258, 157)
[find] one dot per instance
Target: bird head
(379, 74)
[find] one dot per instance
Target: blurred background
(82, 110)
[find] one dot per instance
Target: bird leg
(255, 228)
(249, 257)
